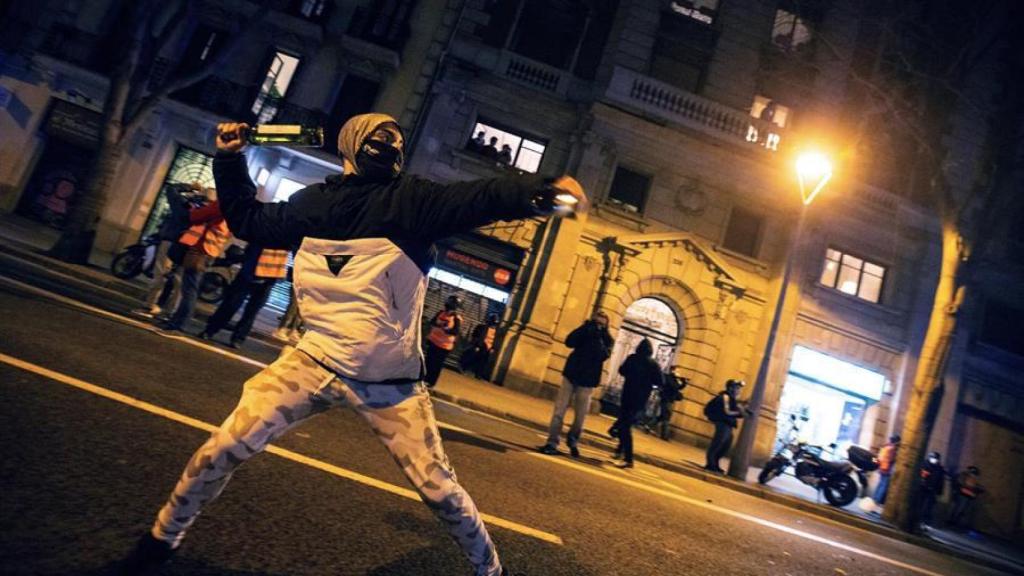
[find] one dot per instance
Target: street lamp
(813, 171)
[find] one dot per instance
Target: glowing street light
(813, 170)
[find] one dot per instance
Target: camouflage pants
(296, 387)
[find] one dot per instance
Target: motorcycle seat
(839, 466)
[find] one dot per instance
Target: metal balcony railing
(673, 104)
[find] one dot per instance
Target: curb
(594, 441)
(95, 278)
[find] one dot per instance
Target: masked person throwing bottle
(364, 244)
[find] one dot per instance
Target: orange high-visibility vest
(438, 337)
(272, 264)
(213, 236)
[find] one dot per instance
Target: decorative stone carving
(691, 198)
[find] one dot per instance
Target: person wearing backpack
(724, 412)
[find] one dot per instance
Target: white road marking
(621, 479)
(287, 454)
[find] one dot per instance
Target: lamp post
(813, 172)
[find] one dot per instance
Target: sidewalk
(22, 246)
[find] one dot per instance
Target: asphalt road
(100, 414)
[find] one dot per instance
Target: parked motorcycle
(136, 259)
(831, 477)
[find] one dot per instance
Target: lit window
(790, 31)
(262, 176)
(506, 147)
(275, 85)
(629, 190)
(852, 275)
(285, 189)
(312, 8)
(699, 10)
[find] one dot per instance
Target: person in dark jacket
(932, 481)
(641, 374)
(364, 247)
(261, 269)
(670, 392)
(724, 411)
(481, 343)
(591, 345)
(163, 288)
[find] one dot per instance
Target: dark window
(682, 51)
(506, 146)
(549, 30)
(357, 96)
(384, 22)
(743, 234)
(312, 10)
(853, 275)
(501, 16)
(629, 190)
(796, 26)
(1001, 327)
(602, 15)
(202, 47)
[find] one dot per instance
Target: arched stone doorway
(645, 318)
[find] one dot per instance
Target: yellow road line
(283, 453)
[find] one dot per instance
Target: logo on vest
(336, 263)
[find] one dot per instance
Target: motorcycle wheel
(840, 491)
(211, 287)
(770, 471)
(127, 264)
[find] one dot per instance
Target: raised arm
(273, 225)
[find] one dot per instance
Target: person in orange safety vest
(444, 330)
(261, 269)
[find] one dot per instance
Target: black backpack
(714, 410)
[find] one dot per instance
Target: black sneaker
(574, 451)
(147, 557)
(168, 326)
(548, 449)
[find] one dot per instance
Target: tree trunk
(902, 505)
(76, 241)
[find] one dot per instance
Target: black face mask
(379, 161)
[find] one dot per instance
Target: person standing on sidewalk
(205, 240)
(966, 489)
(444, 331)
(886, 460)
(641, 374)
(591, 345)
(261, 269)
(670, 392)
(932, 482)
(365, 245)
(163, 288)
(481, 342)
(724, 412)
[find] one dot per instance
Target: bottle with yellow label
(285, 134)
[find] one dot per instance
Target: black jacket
(591, 346)
(176, 221)
(641, 374)
(362, 252)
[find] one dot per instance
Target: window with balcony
(682, 50)
(629, 190)
(565, 34)
(743, 233)
(274, 86)
(771, 115)
(853, 275)
(506, 147)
